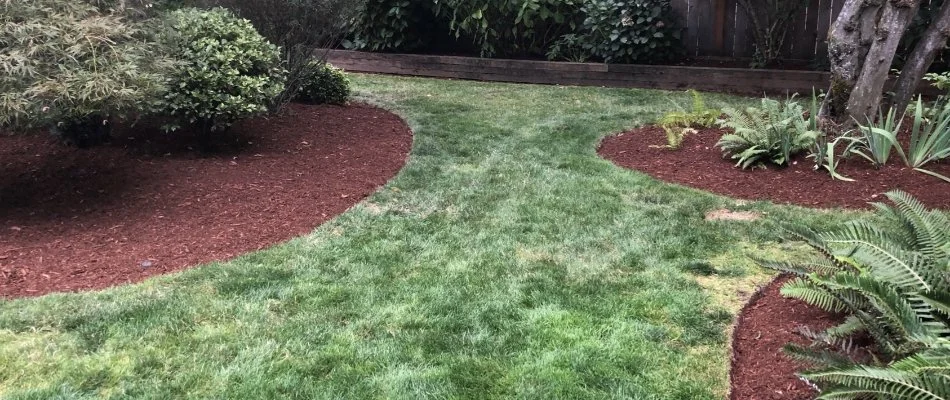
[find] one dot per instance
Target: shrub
(69, 64)
(392, 25)
(773, 132)
(631, 31)
(325, 84)
(298, 27)
(511, 28)
(892, 281)
(230, 71)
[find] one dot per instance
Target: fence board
(720, 28)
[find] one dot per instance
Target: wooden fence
(719, 28)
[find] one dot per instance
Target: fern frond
(813, 356)
(849, 327)
(819, 266)
(811, 293)
(891, 383)
(883, 259)
(899, 314)
(815, 241)
(938, 300)
(929, 229)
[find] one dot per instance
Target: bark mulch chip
(148, 203)
(699, 164)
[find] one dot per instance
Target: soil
(760, 370)
(700, 164)
(150, 203)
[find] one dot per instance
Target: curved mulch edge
(699, 164)
(759, 369)
(148, 203)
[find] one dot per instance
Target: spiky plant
(895, 285)
(773, 132)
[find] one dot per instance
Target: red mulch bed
(147, 203)
(699, 164)
(760, 371)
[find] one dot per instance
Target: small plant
(230, 71)
(825, 154)
(569, 47)
(940, 81)
(773, 132)
(892, 281)
(679, 123)
(876, 139)
(770, 21)
(324, 84)
(929, 139)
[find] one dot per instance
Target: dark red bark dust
(700, 164)
(150, 203)
(760, 370)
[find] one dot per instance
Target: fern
(893, 283)
(773, 132)
(678, 124)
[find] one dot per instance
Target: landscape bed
(700, 164)
(150, 203)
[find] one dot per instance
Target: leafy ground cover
(506, 260)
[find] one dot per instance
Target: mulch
(150, 203)
(700, 164)
(760, 371)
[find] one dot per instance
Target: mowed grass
(505, 261)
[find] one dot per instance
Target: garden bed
(699, 164)
(148, 203)
(760, 370)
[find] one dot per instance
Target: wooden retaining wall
(733, 80)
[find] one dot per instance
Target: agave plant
(895, 286)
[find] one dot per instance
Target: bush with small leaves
(324, 84)
(229, 71)
(73, 66)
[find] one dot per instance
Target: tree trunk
(869, 88)
(933, 41)
(848, 43)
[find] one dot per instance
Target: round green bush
(228, 70)
(631, 31)
(324, 84)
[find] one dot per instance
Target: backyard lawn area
(506, 260)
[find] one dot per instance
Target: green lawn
(505, 261)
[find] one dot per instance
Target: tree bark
(849, 41)
(933, 41)
(869, 88)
